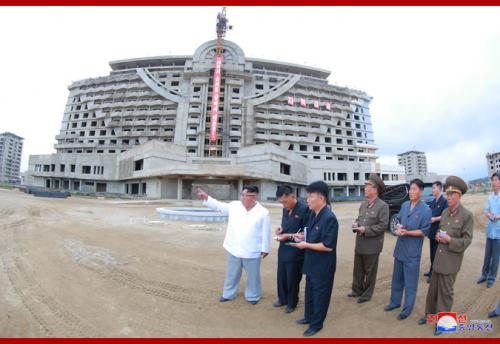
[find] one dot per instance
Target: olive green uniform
(449, 259)
(374, 217)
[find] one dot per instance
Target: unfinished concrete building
(144, 129)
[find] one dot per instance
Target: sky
(433, 72)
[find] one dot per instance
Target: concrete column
(179, 189)
(240, 185)
(359, 191)
(347, 191)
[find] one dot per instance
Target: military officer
(415, 222)
(320, 257)
(370, 227)
(455, 235)
(290, 259)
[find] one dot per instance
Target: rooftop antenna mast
(221, 29)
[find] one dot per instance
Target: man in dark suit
(290, 259)
(320, 258)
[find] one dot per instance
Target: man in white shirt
(247, 241)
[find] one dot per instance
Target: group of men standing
(308, 239)
(308, 245)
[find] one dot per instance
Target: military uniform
(319, 267)
(290, 259)
(458, 224)
(437, 207)
(374, 217)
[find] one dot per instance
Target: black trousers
(364, 275)
(317, 299)
(289, 277)
(433, 245)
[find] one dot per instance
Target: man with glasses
(246, 241)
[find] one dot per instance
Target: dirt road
(99, 268)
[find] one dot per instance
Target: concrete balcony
(193, 121)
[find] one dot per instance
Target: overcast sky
(433, 73)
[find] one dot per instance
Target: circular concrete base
(191, 214)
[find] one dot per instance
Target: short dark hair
(284, 190)
(418, 183)
(438, 184)
(496, 174)
(319, 187)
(251, 188)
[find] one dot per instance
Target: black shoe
(389, 308)
(253, 302)
(402, 316)
(427, 274)
(223, 299)
(481, 280)
(289, 310)
(492, 314)
(278, 304)
(422, 321)
(302, 321)
(362, 300)
(490, 284)
(311, 332)
(437, 332)
(352, 294)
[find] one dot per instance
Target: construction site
(103, 263)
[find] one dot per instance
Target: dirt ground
(108, 268)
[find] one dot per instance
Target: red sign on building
(214, 114)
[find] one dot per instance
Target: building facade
(414, 162)
(493, 162)
(144, 129)
(11, 151)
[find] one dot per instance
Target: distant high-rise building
(11, 149)
(414, 162)
(493, 162)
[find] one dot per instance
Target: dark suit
(449, 259)
(319, 267)
(290, 259)
(375, 218)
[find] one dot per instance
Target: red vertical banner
(316, 104)
(214, 114)
(328, 105)
(303, 102)
(290, 100)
